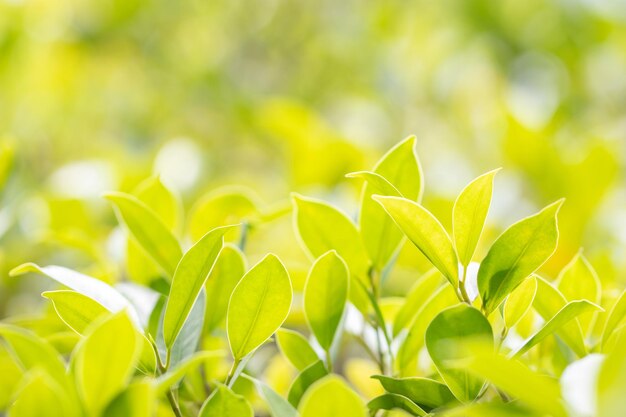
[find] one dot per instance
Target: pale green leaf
(105, 360)
(469, 215)
(377, 183)
(426, 393)
(612, 380)
(258, 306)
(516, 254)
(75, 309)
(415, 299)
(295, 348)
(148, 230)
(304, 380)
(331, 397)
(278, 406)
(192, 272)
(41, 396)
(225, 403)
(446, 336)
(395, 402)
(579, 281)
(426, 233)
(325, 296)
(175, 374)
(137, 400)
(519, 301)
(616, 316)
(400, 168)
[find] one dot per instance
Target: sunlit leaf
(174, 375)
(40, 396)
(395, 401)
(612, 380)
(426, 393)
(616, 316)
(296, 348)
(304, 380)
(415, 299)
(137, 400)
(330, 397)
(516, 254)
(578, 281)
(278, 406)
(75, 309)
(225, 403)
(519, 301)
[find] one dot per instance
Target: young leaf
(76, 310)
(469, 214)
(426, 393)
(137, 400)
(569, 312)
(516, 254)
(295, 348)
(378, 183)
(579, 281)
(227, 271)
(304, 380)
(40, 395)
(519, 301)
(93, 288)
(617, 314)
(400, 167)
(425, 231)
(225, 403)
(105, 361)
(258, 306)
(395, 401)
(548, 302)
(173, 376)
(415, 299)
(612, 380)
(192, 272)
(278, 406)
(446, 336)
(325, 296)
(147, 230)
(330, 397)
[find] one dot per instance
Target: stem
(243, 237)
(329, 362)
(231, 374)
(174, 403)
(161, 369)
(462, 290)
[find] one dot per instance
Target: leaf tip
(24, 269)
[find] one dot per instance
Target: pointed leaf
(278, 406)
(395, 401)
(227, 271)
(616, 316)
(579, 281)
(76, 310)
(426, 393)
(173, 376)
(415, 299)
(519, 301)
(330, 397)
(137, 400)
(516, 254)
(425, 231)
(41, 396)
(295, 348)
(304, 380)
(225, 403)
(258, 306)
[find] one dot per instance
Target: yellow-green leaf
(519, 301)
(616, 316)
(258, 306)
(331, 397)
(325, 296)
(516, 254)
(137, 400)
(469, 215)
(579, 281)
(296, 348)
(415, 299)
(426, 233)
(41, 396)
(225, 403)
(75, 309)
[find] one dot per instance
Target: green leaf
(492, 409)
(539, 392)
(295, 348)
(331, 397)
(446, 336)
(41, 396)
(137, 400)
(227, 271)
(426, 233)
(76, 310)
(612, 380)
(395, 401)
(258, 306)
(426, 393)
(616, 316)
(278, 406)
(568, 313)
(469, 215)
(223, 402)
(516, 254)
(304, 380)
(174, 375)
(415, 299)
(519, 301)
(325, 296)
(400, 168)
(192, 272)
(147, 230)
(407, 355)
(322, 227)
(548, 302)
(377, 183)
(93, 288)
(579, 281)
(105, 360)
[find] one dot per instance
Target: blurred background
(290, 95)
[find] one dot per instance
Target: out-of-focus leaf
(612, 380)
(93, 288)
(137, 400)
(427, 393)
(377, 183)
(516, 254)
(258, 306)
(304, 380)
(75, 309)
(40, 396)
(616, 316)
(579, 385)
(407, 355)
(278, 406)
(325, 296)
(11, 375)
(148, 230)
(223, 402)
(395, 401)
(579, 281)
(174, 375)
(445, 338)
(568, 313)
(492, 409)
(296, 348)
(415, 299)
(519, 301)
(548, 302)
(469, 215)
(192, 272)
(227, 271)
(105, 360)
(330, 397)
(425, 231)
